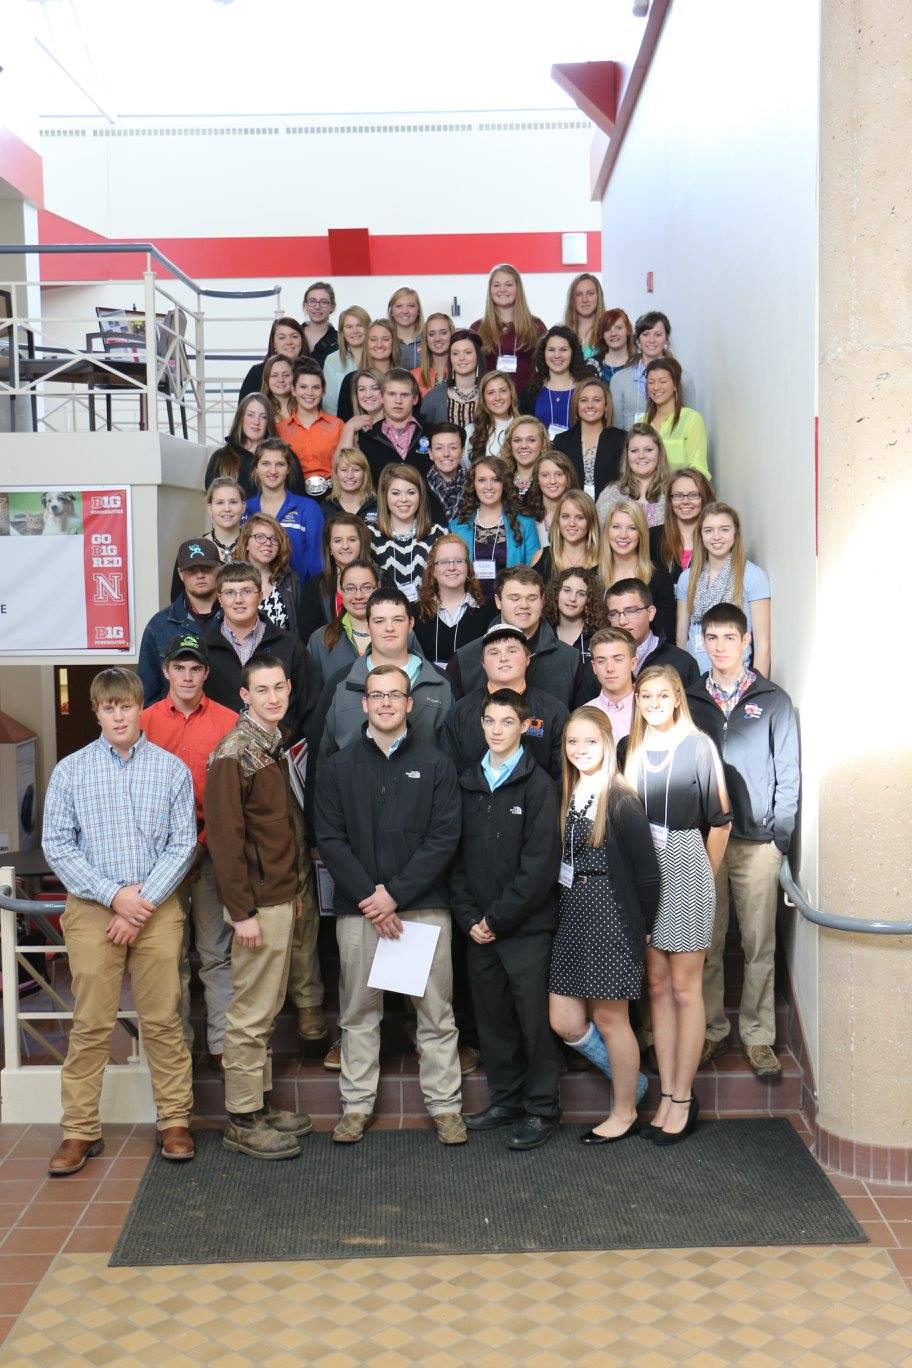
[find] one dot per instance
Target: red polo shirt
(192, 739)
(314, 446)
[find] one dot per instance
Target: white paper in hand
(404, 965)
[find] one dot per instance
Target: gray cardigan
(628, 394)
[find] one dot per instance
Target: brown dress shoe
(73, 1155)
(332, 1060)
(177, 1143)
(311, 1023)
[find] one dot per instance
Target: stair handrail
(829, 920)
(116, 248)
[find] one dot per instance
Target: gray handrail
(147, 248)
(11, 904)
(795, 898)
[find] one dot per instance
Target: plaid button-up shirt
(110, 822)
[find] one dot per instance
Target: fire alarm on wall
(650, 284)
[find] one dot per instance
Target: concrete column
(863, 699)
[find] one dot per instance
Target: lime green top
(686, 444)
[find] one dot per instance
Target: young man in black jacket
(387, 826)
(555, 667)
(241, 635)
(398, 436)
(631, 606)
(503, 896)
(505, 664)
(753, 724)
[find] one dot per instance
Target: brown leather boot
(177, 1143)
(73, 1156)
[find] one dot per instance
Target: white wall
(715, 192)
(521, 170)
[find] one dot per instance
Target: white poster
(65, 571)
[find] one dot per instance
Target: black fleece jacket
(555, 667)
(509, 857)
(223, 682)
(463, 736)
(391, 820)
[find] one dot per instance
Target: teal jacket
(517, 553)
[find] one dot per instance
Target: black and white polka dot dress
(591, 956)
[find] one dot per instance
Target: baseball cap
(186, 644)
(502, 631)
(198, 551)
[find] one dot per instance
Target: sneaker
(351, 1128)
(763, 1061)
(469, 1059)
(451, 1129)
(332, 1060)
(311, 1023)
(254, 1136)
(712, 1049)
(287, 1122)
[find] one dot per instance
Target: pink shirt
(620, 714)
(401, 438)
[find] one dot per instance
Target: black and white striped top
(401, 558)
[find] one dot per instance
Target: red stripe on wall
(270, 258)
(21, 167)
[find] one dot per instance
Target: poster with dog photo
(65, 571)
(44, 513)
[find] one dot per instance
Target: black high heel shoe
(662, 1137)
(649, 1131)
(592, 1137)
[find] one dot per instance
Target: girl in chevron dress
(678, 774)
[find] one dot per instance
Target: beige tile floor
(710, 1308)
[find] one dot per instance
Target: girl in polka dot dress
(607, 902)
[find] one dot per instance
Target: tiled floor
(709, 1308)
(712, 1308)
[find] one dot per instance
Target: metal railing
(170, 363)
(829, 920)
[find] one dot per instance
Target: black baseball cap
(185, 645)
(197, 551)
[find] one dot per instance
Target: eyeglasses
(393, 695)
(264, 538)
(684, 498)
(362, 589)
(615, 614)
(449, 564)
(240, 593)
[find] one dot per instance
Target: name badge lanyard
(441, 664)
(554, 428)
(659, 833)
(565, 875)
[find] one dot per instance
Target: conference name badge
(510, 364)
(565, 875)
(485, 569)
(536, 726)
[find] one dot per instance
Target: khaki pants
(260, 979)
(200, 901)
(305, 984)
(361, 1009)
(748, 878)
(97, 966)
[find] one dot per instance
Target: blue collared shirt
(109, 822)
(497, 777)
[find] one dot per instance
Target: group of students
(526, 658)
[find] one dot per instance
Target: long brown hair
(524, 322)
(701, 556)
(228, 462)
(591, 382)
(268, 365)
(399, 470)
(295, 327)
(332, 634)
(672, 367)
(608, 774)
(628, 483)
(484, 419)
(469, 506)
(328, 577)
(426, 370)
(671, 543)
(571, 317)
(376, 376)
(282, 559)
(428, 597)
(535, 499)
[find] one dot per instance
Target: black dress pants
(509, 982)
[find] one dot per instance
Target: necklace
(465, 395)
(355, 632)
(651, 768)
